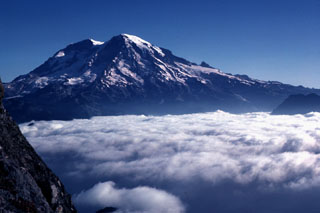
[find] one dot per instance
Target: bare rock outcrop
(26, 183)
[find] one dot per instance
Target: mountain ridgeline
(128, 75)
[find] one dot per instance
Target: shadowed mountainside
(298, 104)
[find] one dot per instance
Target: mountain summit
(128, 75)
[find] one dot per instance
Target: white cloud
(139, 199)
(273, 151)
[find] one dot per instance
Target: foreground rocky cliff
(26, 183)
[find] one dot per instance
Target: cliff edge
(26, 183)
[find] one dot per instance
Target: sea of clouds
(204, 162)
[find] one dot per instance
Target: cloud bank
(273, 152)
(139, 199)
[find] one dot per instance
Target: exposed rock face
(298, 104)
(26, 183)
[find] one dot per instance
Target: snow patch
(112, 78)
(74, 81)
(91, 76)
(142, 44)
(16, 96)
(158, 50)
(60, 54)
(138, 41)
(95, 43)
(241, 97)
(42, 82)
(124, 69)
(196, 70)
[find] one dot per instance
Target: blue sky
(266, 39)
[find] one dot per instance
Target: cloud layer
(274, 152)
(139, 199)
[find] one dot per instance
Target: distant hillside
(299, 104)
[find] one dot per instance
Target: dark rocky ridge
(298, 104)
(26, 183)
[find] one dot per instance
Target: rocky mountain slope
(26, 183)
(298, 104)
(128, 75)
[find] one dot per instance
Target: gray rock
(26, 183)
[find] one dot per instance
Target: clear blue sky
(266, 39)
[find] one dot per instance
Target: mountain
(128, 75)
(298, 104)
(26, 183)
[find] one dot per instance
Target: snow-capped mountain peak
(137, 40)
(125, 75)
(142, 44)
